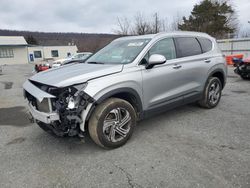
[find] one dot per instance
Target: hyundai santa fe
(131, 78)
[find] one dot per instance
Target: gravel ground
(185, 147)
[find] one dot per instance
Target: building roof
(12, 41)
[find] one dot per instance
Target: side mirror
(155, 59)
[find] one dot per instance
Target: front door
(163, 84)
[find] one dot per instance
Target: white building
(15, 50)
(48, 53)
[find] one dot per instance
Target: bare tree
(168, 25)
(244, 33)
(156, 24)
(175, 22)
(141, 25)
(123, 25)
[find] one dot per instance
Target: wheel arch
(125, 93)
(219, 73)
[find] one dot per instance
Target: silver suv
(128, 80)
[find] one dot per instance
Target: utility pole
(156, 23)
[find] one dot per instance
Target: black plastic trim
(220, 71)
(173, 103)
(115, 92)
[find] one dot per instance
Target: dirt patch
(231, 76)
(15, 116)
(239, 91)
(27, 75)
(228, 147)
(7, 85)
(16, 141)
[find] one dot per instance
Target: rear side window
(187, 46)
(206, 44)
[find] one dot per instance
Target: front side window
(119, 52)
(37, 54)
(164, 47)
(54, 53)
(187, 46)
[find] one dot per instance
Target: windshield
(119, 52)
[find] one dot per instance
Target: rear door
(194, 63)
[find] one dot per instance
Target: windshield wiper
(93, 62)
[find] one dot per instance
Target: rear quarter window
(187, 46)
(206, 44)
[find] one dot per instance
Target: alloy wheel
(214, 93)
(116, 124)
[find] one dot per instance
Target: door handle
(207, 60)
(177, 66)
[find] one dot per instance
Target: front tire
(212, 93)
(112, 123)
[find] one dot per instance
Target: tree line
(84, 41)
(218, 18)
(141, 25)
(215, 17)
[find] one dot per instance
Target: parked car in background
(81, 56)
(77, 57)
(242, 67)
(55, 65)
(42, 67)
(131, 78)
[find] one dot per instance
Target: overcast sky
(94, 16)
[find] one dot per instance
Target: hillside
(84, 41)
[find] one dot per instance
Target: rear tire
(211, 94)
(112, 123)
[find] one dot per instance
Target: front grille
(43, 106)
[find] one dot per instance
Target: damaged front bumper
(44, 117)
(36, 92)
(53, 109)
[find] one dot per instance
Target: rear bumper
(42, 116)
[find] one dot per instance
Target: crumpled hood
(74, 74)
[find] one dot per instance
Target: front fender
(100, 89)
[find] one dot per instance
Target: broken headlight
(67, 97)
(80, 87)
(73, 101)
